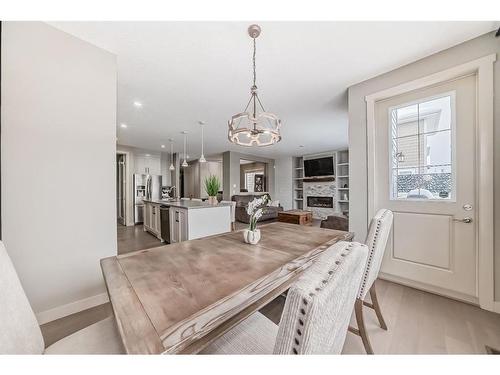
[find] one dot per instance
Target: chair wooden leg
(376, 307)
(358, 309)
(233, 226)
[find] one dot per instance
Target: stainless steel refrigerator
(145, 186)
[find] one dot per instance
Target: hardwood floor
(134, 238)
(418, 323)
(425, 323)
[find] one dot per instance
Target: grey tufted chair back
(376, 240)
(19, 329)
(319, 305)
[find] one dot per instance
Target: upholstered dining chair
(316, 313)
(376, 240)
(21, 334)
(233, 213)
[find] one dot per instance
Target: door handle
(466, 220)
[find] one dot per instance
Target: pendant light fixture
(202, 157)
(184, 163)
(172, 168)
(255, 127)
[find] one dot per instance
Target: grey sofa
(241, 208)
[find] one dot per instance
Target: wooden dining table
(178, 298)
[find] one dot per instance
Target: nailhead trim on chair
(370, 255)
(305, 302)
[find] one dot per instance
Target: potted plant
(212, 186)
(254, 210)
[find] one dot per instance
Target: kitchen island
(181, 220)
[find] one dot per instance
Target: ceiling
(183, 72)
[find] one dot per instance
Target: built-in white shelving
(298, 183)
(341, 178)
(342, 183)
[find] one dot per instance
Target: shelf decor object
(212, 186)
(255, 211)
(254, 127)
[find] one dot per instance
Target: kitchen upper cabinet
(148, 164)
(154, 165)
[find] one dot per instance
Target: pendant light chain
(202, 157)
(254, 65)
(184, 163)
(171, 155)
(254, 87)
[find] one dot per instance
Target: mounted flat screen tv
(318, 167)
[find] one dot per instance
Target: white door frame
(128, 219)
(483, 68)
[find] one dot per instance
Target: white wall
(283, 185)
(58, 163)
(470, 50)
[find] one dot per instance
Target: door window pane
(407, 152)
(421, 150)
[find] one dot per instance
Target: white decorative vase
(251, 237)
(212, 200)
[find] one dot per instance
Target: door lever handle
(466, 220)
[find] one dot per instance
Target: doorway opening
(121, 189)
(253, 176)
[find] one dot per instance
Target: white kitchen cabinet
(147, 215)
(148, 164)
(152, 220)
(190, 224)
(154, 165)
(178, 224)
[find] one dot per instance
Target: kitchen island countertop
(188, 204)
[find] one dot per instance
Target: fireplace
(323, 202)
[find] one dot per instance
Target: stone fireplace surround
(320, 189)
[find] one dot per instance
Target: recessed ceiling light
(138, 104)
(162, 146)
(124, 126)
(148, 154)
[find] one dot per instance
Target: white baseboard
(71, 308)
(496, 307)
(429, 288)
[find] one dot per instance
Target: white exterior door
(425, 173)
